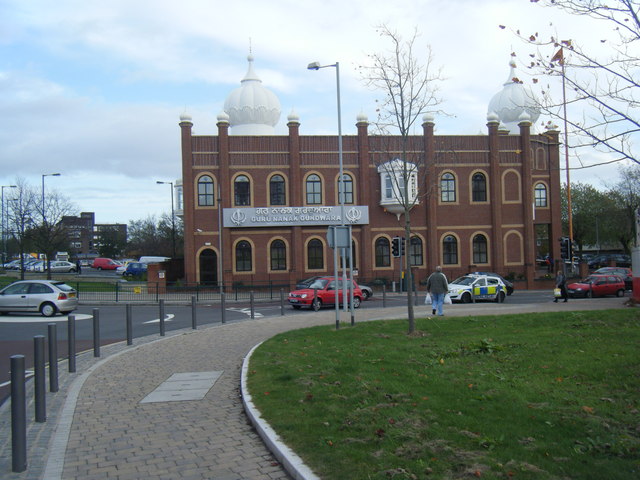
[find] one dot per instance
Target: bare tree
(602, 83)
(410, 86)
(21, 207)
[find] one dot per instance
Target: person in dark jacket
(438, 287)
(561, 283)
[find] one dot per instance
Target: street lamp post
(173, 218)
(4, 233)
(341, 193)
(44, 217)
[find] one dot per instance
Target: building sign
(294, 216)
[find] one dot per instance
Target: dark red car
(323, 290)
(623, 272)
(597, 286)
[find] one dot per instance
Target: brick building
(256, 206)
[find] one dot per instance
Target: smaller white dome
(492, 117)
(293, 117)
(362, 118)
(428, 118)
(223, 117)
(524, 117)
(185, 117)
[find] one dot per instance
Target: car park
(506, 282)
(474, 287)
(622, 272)
(322, 292)
(607, 259)
(597, 286)
(45, 296)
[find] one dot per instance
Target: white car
(471, 287)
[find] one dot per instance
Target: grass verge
(533, 396)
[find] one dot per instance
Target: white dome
(252, 108)
(512, 101)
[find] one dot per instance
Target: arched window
(315, 258)
(383, 252)
(447, 188)
(242, 191)
(480, 249)
(314, 190)
(479, 188)
(277, 195)
(347, 185)
(278, 255)
(243, 256)
(415, 251)
(450, 250)
(540, 194)
(205, 191)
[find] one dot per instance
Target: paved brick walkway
(98, 429)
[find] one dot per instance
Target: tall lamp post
(173, 218)
(4, 232)
(317, 66)
(44, 217)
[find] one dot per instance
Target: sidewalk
(98, 426)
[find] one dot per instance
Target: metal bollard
(71, 341)
(129, 325)
(18, 415)
(39, 390)
(223, 307)
(252, 305)
(53, 357)
(96, 332)
(384, 296)
(281, 302)
(194, 318)
(162, 330)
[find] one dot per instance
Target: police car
(477, 287)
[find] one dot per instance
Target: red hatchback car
(597, 286)
(325, 291)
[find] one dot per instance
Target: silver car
(45, 296)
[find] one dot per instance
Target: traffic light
(395, 246)
(565, 248)
(402, 246)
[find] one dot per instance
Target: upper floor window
(540, 195)
(314, 190)
(480, 254)
(278, 254)
(277, 195)
(347, 185)
(450, 250)
(243, 256)
(205, 191)
(447, 188)
(242, 191)
(383, 252)
(479, 188)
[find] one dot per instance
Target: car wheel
(620, 293)
(48, 309)
(296, 307)
(500, 297)
(356, 302)
(466, 297)
(99, 268)
(316, 304)
(365, 294)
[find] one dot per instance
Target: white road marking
(167, 318)
(246, 311)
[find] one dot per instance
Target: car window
(320, 284)
(493, 281)
(482, 282)
(17, 289)
(40, 288)
(63, 286)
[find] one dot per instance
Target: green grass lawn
(535, 396)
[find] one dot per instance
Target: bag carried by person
(427, 299)
(447, 299)
(557, 292)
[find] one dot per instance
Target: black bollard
(129, 325)
(162, 318)
(53, 357)
(281, 302)
(252, 305)
(223, 307)
(39, 389)
(384, 296)
(194, 319)
(96, 332)
(18, 415)
(71, 340)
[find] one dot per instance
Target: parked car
(37, 266)
(479, 287)
(622, 272)
(45, 296)
(506, 282)
(62, 266)
(597, 286)
(12, 265)
(134, 269)
(325, 287)
(606, 259)
(105, 264)
(367, 291)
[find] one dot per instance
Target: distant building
(84, 234)
(256, 206)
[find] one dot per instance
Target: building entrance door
(208, 267)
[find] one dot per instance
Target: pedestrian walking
(78, 267)
(561, 283)
(437, 287)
